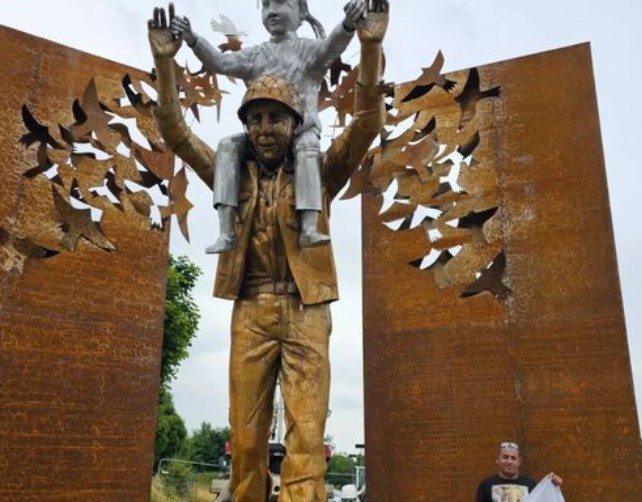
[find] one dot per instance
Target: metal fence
(189, 481)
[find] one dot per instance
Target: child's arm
(233, 64)
(332, 47)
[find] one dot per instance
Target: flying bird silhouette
(336, 69)
(471, 95)
(179, 204)
(360, 181)
(91, 116)
(430, 77)
(490, 280)
(476, 219)
(44, 164)
(14, 251)
(66, 135)
(466, 149)
(135, 98)
(343, 95)
(38, 133)
(77, 223)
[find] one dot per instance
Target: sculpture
(303, 62)
(281, 321)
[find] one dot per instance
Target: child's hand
(181, 27)
(355, 11)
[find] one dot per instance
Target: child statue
(301, 61)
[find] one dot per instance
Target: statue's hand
(355, 11)
(181, 27)
(373, 27)
(163, 42)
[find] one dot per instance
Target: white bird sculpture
(226, 26)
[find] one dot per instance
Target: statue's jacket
(313, 269)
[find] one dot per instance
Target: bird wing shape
(225, 26)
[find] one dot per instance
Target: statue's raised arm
(371, 31)
(163, 43)
(347, 151)
(177, 135)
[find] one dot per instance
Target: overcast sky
(470, 33)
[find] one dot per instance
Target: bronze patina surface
(517, 332)
(81, 301)
(281, 322)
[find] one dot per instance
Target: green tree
(176, 481)
(181, 322)
(340, 470)
(181, 316)
(171, 433)
(207, 443)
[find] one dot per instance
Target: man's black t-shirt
(498, 489)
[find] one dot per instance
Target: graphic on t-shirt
(509, 493)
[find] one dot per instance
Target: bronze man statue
(281, 320)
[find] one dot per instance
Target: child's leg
(230, 155)
(307, 188)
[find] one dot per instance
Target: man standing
(508, 485)
(281, 321)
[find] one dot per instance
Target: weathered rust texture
(433, 159)
(448, 377)
(80, 332)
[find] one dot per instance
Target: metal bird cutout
(228, 28)
(94, 163)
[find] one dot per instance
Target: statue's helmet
(275, 88)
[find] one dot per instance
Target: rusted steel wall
(448, 377)
(80, 332)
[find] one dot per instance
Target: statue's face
(270, 128)
(280, 16)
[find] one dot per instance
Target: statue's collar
(288, 35)
(286, 166)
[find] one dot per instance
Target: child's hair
(317, 27)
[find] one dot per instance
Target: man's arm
(482, 489)
(348, 150)
(169, 116)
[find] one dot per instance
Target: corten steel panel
(80, 332)
(447, 378)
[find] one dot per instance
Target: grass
(199, 491)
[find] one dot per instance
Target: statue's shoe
(226, 242)
(312, 239)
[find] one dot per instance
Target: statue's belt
(272, 288)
